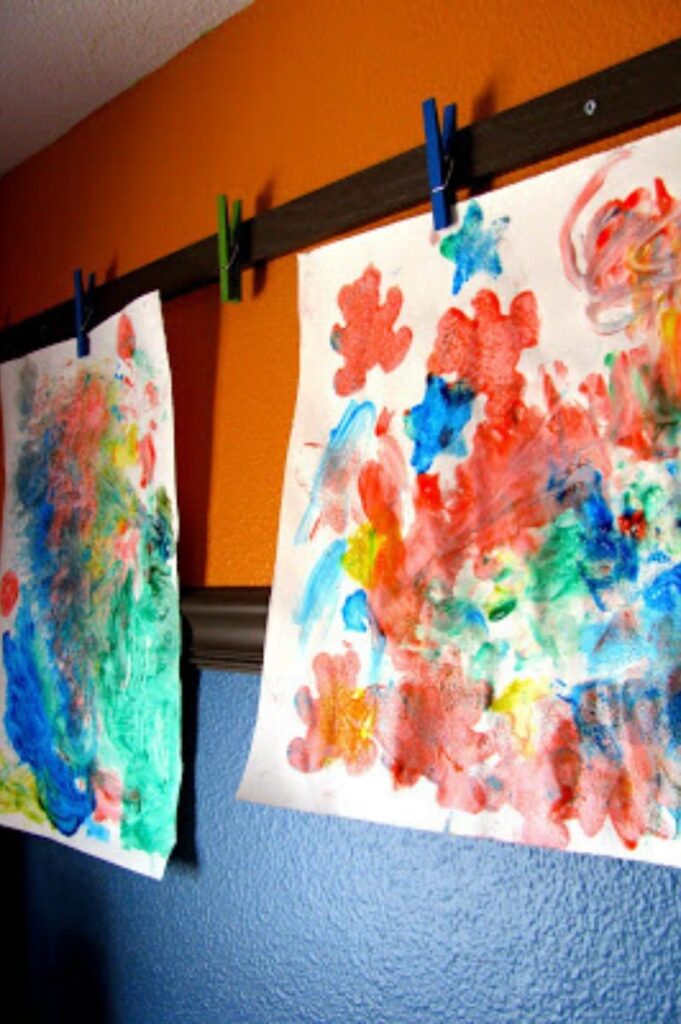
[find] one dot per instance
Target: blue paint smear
(96, 830)
(321, 591)
(436, 424)
(159, 536)
(611, 556)
(674, 709)
(63, 789)
(596, 716)
(603, 709)
(474, 618)
(378, 644)
(32, 486)
(608, 557)
(607, 648)
(357, 616)
(356, 612)
(658, 556)
(58, 744)
(474, 248)
(663, 595)
(354, 426)
(61, 621)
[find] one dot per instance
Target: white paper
(89, 681)
(477, 597)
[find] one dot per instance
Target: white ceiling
(61, 59)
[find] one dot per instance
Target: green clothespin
(228, 251)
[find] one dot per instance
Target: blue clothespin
(440, 159)
(228, 251)
(83, 314)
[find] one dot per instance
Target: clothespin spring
(234, 255)
(448, 160)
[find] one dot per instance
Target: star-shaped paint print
(474, 248)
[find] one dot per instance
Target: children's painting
(89, 684)
(475, 623)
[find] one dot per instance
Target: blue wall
(280, 918)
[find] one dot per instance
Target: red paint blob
(383, 423)
(633, 524)
(9, 592)
(427, 729)
(125, 337)
(484, 350)
(369, 338)
(151, 391)
(147, 457)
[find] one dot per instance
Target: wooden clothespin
(228, 251)
(83, 311)
(440, 160)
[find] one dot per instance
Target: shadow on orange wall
(192, 326)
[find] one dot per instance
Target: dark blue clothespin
(83, 313)
(228, 251)
(440, 159)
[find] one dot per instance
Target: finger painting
(89, 694)
(475, 623)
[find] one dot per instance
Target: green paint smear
(138, 695)
(554, 570)
(500, 611)
(19, 792)
(486, 661)
(650, 498)
(136, 662)
(554, 583)
(457, 620)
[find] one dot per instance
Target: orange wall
(286, 96)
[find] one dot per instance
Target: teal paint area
(474, 248)
(289, 918)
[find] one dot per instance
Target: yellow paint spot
(670, 334)
(670, 325)
(124, 450)
(360, 556)
(517, 701)
(19, 792)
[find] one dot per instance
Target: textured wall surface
(288, 918)
(287, 96)
(84, 54)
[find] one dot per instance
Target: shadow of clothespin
(229, 256)
(440, 160)
(83, 302)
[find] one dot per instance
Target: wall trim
(224, 627)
